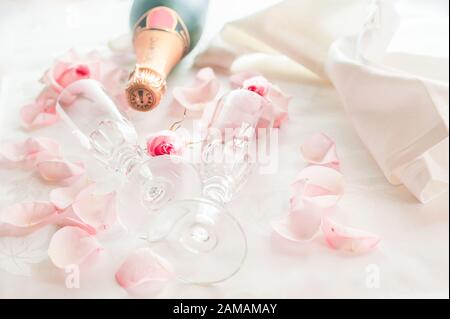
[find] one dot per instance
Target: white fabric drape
(387, 61)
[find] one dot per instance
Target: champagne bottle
(164, 31)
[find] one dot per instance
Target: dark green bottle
(164, 31)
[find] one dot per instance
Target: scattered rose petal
(203, 91)
(143, 266)
(96, 210)
(71, 246)
(321, 185)
(74, 73)
(237, 80)
(122, 44)
(68, 69)
(28, 214)
(42, 112)
(320, 149)
(72, 67)
(63, 197)
(302, 224)
(278, 113)
(29, 152)
(257, 84)
(60, 171)
(164, 143)
(69, 218)
(315, 193)
(348, 239)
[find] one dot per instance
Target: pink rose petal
(71, 246)
(203, 91)
(42, 112)
(320, 149)
(37, 115)
(321, 185)
(65, 196)
(60, 171)
(276, 111)
(29, 152)
(303, 223)
(66, 70)
(280, 106)
(28, 214)
(143, 266)
(98, 211)
(237, 80)
(348, 239)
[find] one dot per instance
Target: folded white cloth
(387, 59)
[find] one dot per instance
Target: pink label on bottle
(162, 18)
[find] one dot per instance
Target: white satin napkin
(387, 59)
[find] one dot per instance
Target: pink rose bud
(74, 74)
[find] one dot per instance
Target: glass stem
(111, 146)
(219, 189)
(127, 158)
(222, 179)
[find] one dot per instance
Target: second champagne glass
(199, 237)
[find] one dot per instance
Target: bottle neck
(160, 40)
(158, 50)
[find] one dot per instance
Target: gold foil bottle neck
(160, 41)
(145, 89)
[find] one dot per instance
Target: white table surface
(412, 259)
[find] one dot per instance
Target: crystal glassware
(148, 182)
(199, 237)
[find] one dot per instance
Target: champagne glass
(148, 183)
(199, 237)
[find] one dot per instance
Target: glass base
(202, 241)
(152, 185)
